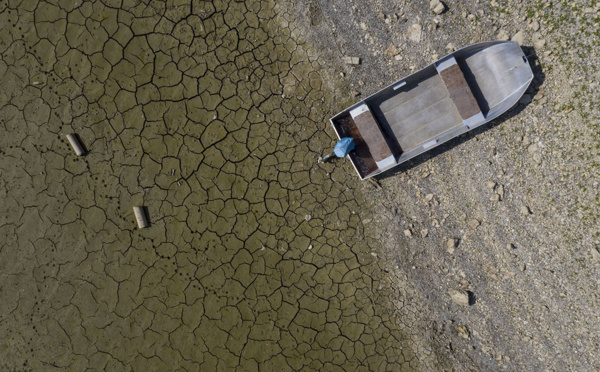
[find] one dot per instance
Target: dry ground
(518, 198)
(212, 114)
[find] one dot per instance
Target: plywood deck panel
(431, 130)
(422, 102)
(371, 133)
(433, 120)
(411, 91)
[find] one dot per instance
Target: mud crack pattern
(212, 115)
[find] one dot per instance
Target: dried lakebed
(212, 115)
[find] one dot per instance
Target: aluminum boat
(454, 95)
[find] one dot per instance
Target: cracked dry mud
(212, 115)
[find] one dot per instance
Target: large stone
(351, 60)
(539, 43)
(474, 223)
(451, 244)
(437, 6)
(459, 297)
(535, 25)
(414, 33)
(532, 148)
(503, 35)
(596, 254)
(500, 191)
(518, 37)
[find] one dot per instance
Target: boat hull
(452, 96)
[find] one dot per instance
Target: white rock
(414, 33)
(503, 35)
(474, 223)
(459, 297)
(535, 25)
(451, 244)
(407, 233)
(595, 254)
(351, 60)
(518, 37)
(539, 43)
(500, 191)
(533, 148)
(437, 6)
(525, 210)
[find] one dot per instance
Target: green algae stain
(212, 116)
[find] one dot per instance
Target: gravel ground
(498, 229)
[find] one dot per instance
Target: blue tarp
(343, 147)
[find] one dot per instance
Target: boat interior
(445, 99)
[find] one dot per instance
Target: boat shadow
(538, 80)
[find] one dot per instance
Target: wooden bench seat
(372, 151)
(373, 136)
(361, 156)
(459, 91)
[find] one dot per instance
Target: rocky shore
(498, 230)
